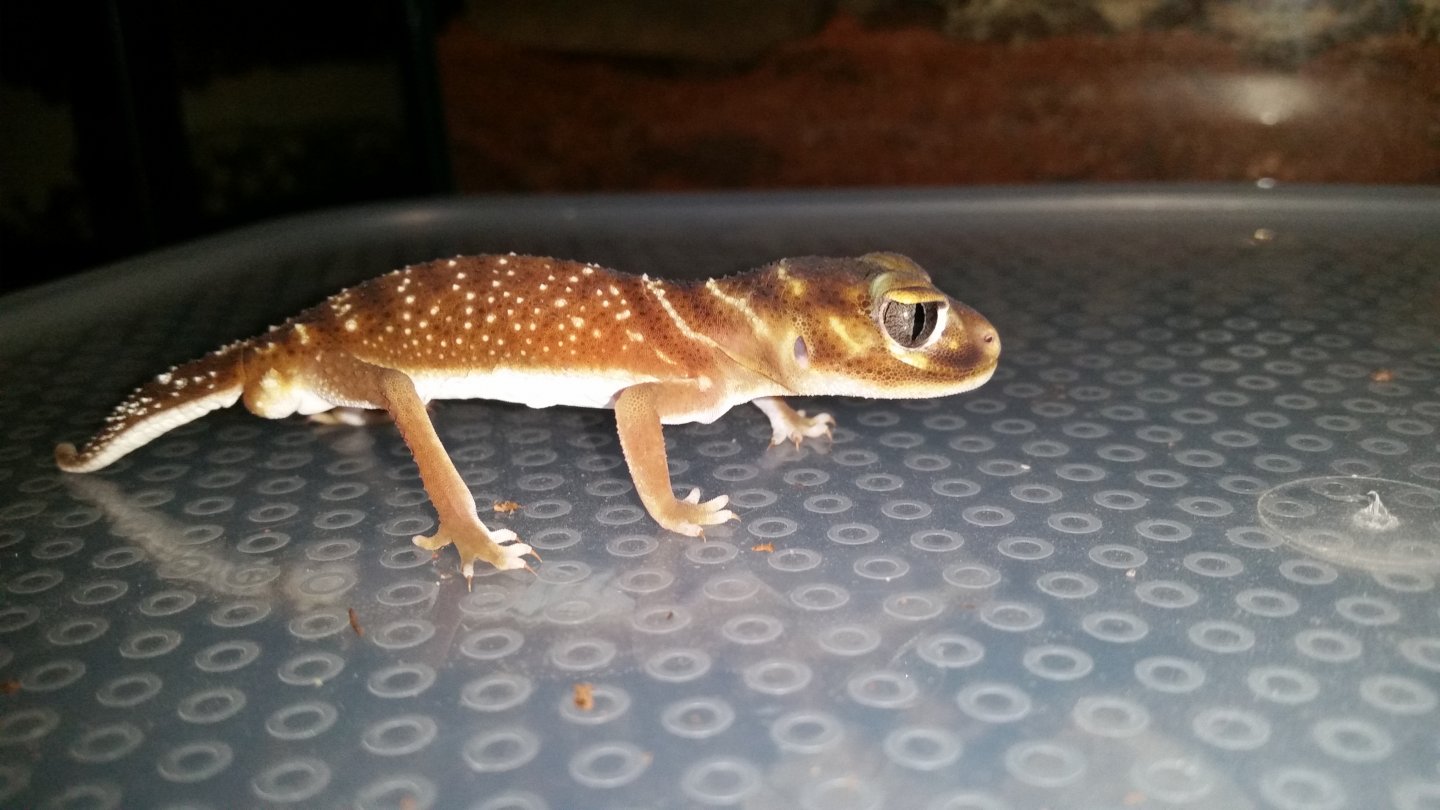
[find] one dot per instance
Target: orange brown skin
(542, 332)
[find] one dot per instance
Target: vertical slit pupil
(909, 325)
(917, 327)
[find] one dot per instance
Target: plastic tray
(1140, 568)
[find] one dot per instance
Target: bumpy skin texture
(542, 332)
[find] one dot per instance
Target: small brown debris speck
(584, 696)
(355, 623)
(1382, 375)
(9, 687)
(763, 548)
(506, 507)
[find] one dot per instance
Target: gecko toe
(724, 516)
(500, 548)
(697, 516)
(511, 555)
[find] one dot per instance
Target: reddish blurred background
(130, 125)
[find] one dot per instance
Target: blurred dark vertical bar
(132, 153)
(424, 110)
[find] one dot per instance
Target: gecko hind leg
(459, 525)
(788, 424)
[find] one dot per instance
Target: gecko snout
(983, 339)
(980, 333)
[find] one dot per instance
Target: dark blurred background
(128, 126)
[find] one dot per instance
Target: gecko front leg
(637, 416)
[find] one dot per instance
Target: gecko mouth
(983, 377)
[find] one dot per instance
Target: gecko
(548, 332)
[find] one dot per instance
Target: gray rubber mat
(1143, 567)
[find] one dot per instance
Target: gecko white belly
(537, 389)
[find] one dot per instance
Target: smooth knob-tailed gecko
(545, 332)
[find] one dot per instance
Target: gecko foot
(797, 427)
(690, 517)
(498, 547)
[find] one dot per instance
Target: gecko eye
(910, 324)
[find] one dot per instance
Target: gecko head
(876, 326)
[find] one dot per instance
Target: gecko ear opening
(802, 353)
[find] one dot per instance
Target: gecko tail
(177, 397)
